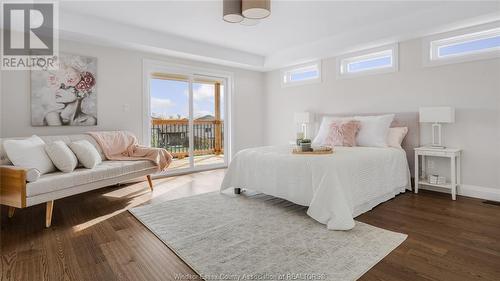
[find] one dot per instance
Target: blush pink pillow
(342, 133)
(395, 136)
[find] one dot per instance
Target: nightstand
(453, 181)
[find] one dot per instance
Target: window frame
(343, 61)
(286, 73)
(431, 45)
(151, 66)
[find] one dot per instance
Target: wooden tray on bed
(316, 152)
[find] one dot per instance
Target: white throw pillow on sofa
(32, 174)
(86, 153)
(62, 157)
(373, 130)
(29, 153)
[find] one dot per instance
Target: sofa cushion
(107, 169)
(29, 153)
(63, 158)
(86, 153)
(31, 173)
(4, 160)
(72, 138)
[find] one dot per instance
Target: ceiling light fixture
(256, 9)
(231, 11)
(249, 22)
(245, 12)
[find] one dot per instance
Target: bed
(336, 187)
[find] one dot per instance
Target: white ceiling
(296, 30)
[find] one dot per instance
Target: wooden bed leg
(237, 191)
(48, 213)
(150, 182)
(11, 212)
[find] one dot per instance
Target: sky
(470, 46)
(449, 50)
(370, 64)
(171, 98)
(311, 74)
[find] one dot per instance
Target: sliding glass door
(187, 114)
(208, 122)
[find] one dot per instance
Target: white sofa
(18, 190)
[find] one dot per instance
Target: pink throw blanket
(123, 145)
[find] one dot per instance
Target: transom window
(303, 74)
(472, 43)
(377, 60)
(372, 61)
(479, 42)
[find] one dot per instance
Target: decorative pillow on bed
(396, 135)
(373, 130)
(324, 128)
(342, 133)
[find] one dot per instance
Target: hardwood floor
(93, 237)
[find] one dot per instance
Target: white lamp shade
(302, 117)
(437, 114)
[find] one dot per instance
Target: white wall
(119, 82)
(473, 88)
(263, 110)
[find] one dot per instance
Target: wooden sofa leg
(48, 213)
(11, 212)
(150, 182)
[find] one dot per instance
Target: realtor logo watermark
(29, 36)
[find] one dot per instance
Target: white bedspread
(336, 187)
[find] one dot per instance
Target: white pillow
(29, 153)
(32, 174)
(395, 136)
(62, 157)
(86, 153)
(373, 130)
(324, 128)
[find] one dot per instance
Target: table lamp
(303, 119)
(437, 115)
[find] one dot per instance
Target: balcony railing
(173, 135)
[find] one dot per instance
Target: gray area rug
(259, 237)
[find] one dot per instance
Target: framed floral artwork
(66, 97)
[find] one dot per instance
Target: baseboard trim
(481, 192)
